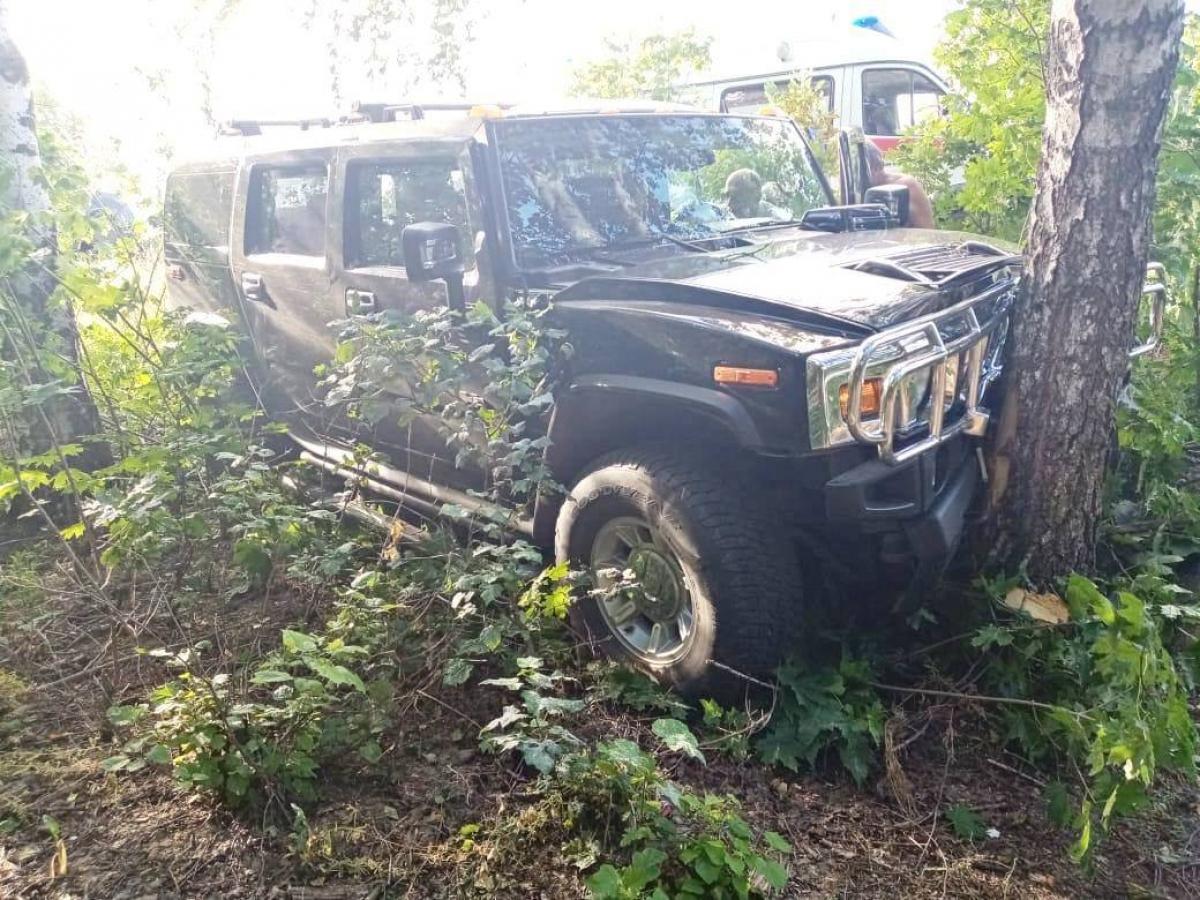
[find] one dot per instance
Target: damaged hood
(852, 282)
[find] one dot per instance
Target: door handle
(360, 303)
(253, 287)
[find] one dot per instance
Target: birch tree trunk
(44, 402)
(1108, 79)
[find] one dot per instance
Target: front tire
(721, 595)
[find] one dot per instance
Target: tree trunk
(1108, 79)
(38, 337)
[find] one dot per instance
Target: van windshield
(581, 184)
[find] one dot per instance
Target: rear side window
(386, 196)
(286, 210)
(198, 208)
(897, 99)
(748, 99)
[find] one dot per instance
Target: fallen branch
(982, 698)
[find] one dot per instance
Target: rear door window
(286, 210)
(384, 197)
(198, 208)
(749, 99)
(894, 100)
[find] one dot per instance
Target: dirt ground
(68, 829)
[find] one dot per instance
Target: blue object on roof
(872, 23)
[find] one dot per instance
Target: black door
(283, 270)
(384, 193)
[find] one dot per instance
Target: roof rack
(254, 127)
(360, 112)
(393, 112)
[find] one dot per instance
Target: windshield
(575, 187)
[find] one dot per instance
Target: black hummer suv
(770, 392)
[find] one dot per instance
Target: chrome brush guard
(914, 363)
(929, 349)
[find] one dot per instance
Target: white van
(866, 81)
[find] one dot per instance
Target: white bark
(1109, 72)
(18, 140)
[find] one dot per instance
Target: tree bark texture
(1109, 73)
(38, 336)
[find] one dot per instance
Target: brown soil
(391, 829)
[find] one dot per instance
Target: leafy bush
(824, 711)
(679, 844)
(1107, 694)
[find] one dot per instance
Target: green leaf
(335, 674)
(772, 872)
(1058, 804)
(966, 822)
(115, 763)
(270, 676)
(71, 532)
(298, 642)
(644, 868)
(159, 754)
(605, 884)
(457, 671)
(371, 751)
(1082, 594)
(777, 842)
(677, 737)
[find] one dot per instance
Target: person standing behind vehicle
(920, 210)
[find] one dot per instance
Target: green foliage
(677, 738)
(825, 710)
(678, 844)
(616, 683)
(653, 67)
(533, 728)
(725, 730)
(966, 823)
(485, 381)
(263, 735)
(993, 51)
(1111, 695)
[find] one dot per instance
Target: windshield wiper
(773, 223)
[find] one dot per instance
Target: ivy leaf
(677, 737)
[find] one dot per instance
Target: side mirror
(432, 251)
(894, 197)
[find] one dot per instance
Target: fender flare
(579, 403)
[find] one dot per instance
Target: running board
(400, 485)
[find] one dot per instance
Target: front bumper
(926, 498)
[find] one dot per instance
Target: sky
(101, 59)
(96, 58)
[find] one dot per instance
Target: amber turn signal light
(872, 393)
(767, 378)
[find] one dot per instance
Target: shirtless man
(920, 210)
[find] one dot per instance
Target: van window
(748, 99)
(384, 197)
(897, 99)
(286, 210)
(198, 209)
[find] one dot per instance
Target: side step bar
(399, 485)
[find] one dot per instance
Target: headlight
(828, 376)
